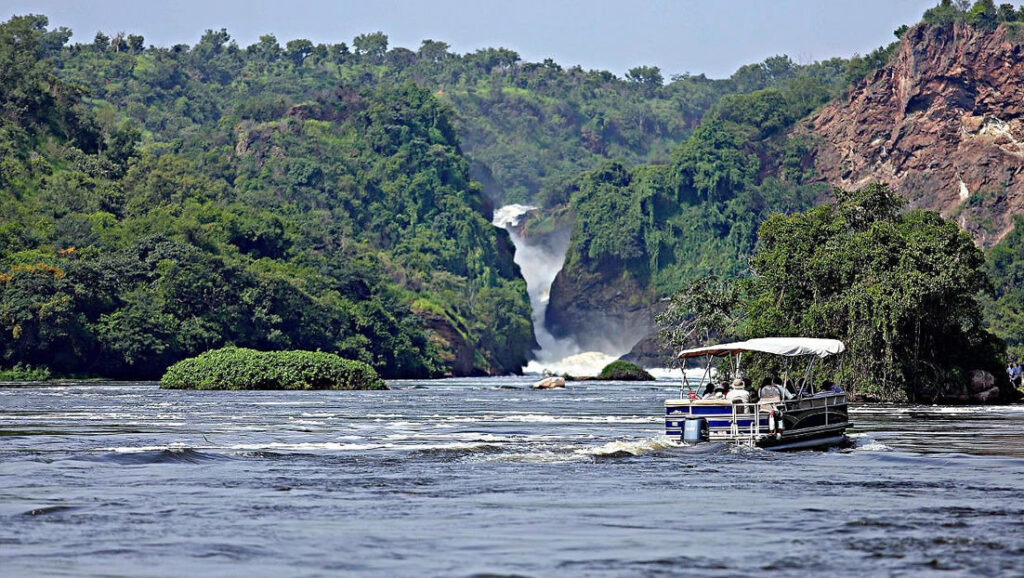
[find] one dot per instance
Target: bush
(237, 368)
(624, 371)
(25, 373)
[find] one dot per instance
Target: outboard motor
(695, 430)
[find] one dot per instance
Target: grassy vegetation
(25, 373)
(237, 368)
(624, 371)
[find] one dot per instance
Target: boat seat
(743, 408)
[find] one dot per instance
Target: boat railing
(754, 415)
(752, 410)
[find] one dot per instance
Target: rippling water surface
(474, 477)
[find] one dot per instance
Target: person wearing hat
(738, 391)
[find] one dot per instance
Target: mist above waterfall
(539, 263)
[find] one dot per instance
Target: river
(474, 477)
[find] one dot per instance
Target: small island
(238, 368)
(624, 371)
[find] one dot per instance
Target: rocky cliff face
(943, 123)
(601, 311)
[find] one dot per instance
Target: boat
(792, 414)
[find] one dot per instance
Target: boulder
(549, 383)
(649, 352)
(604, 309)
(982, 381)
(990, 395)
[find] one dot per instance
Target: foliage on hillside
(159, 202)
(137, 232)
(1004, 308)
(663, 226)
(237, 368)
(666, 224)
(983, 13)
(899, 288)
(527, 127)
(705, 309)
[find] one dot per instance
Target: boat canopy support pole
(807, 377)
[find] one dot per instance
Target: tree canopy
(900, 288)
(174, 211)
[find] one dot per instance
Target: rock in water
(624, 371)
(549, 383)
(981, 380)
(983, 387)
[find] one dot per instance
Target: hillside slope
(943, 123)
(348, 223)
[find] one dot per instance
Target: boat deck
(806, 420)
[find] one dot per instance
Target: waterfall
(539, 264)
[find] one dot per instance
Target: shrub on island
(238, 368)
(624, 371)
(25, 373)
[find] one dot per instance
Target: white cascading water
(539, 264)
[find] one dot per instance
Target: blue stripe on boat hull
(674, 426)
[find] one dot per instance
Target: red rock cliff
(943, 123)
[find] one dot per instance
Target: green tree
(649, 76)
(706, 309)
(1004, 308)
(298, 50)
(373, 45)
(434, 51)
(899, 289)
(983, 14)
(945, 13)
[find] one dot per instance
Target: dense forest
(898, 286)
(158, 202)
(641, 233)
(1004, 306)
(135, 236)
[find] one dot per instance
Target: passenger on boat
(738, 391)
(831, 387)
(787, 390)
(748, 385)
(720, 390)
(738, 394)
(1014, 373)
(770, 389)
(708, 391)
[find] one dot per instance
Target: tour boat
(788, 415)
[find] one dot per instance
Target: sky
(714, 37)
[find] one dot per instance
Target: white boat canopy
(787, 346)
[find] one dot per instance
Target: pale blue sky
(713, 37)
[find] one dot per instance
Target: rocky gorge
(940, 122)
